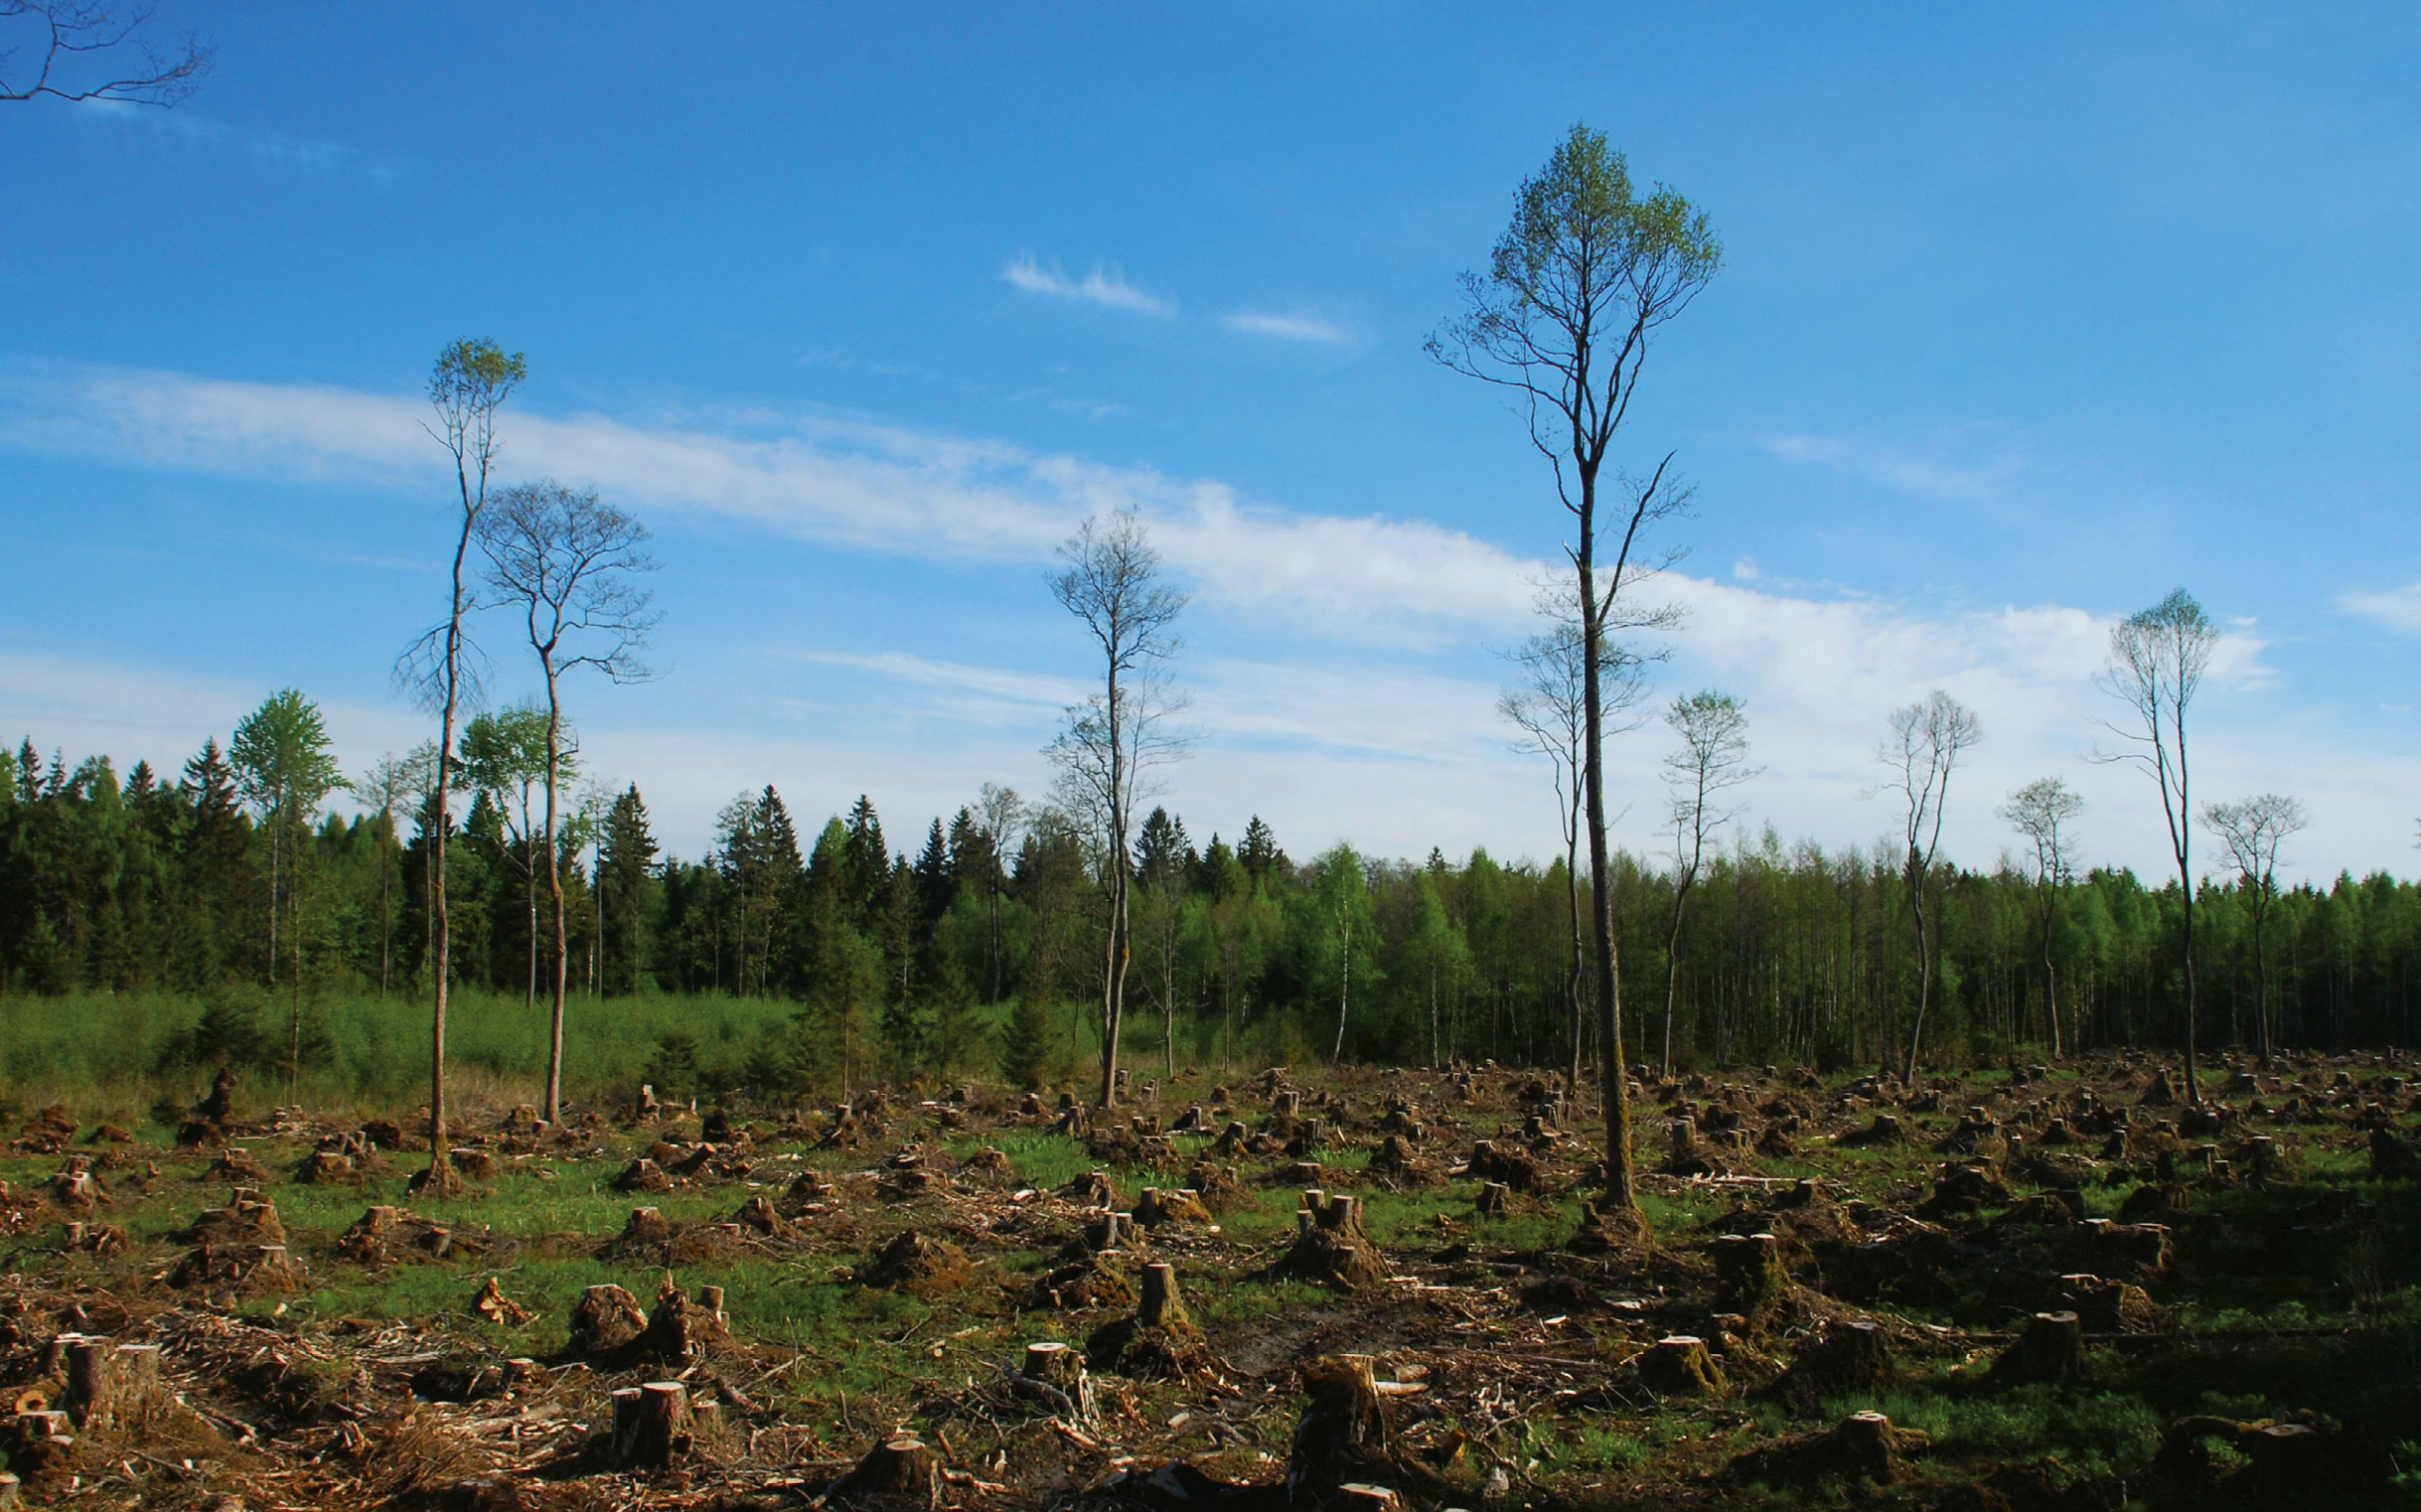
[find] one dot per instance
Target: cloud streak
(2396, 609)
(1292, 328)
(1104, 286)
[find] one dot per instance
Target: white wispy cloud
(2397, 609)
(847, 483)
(1965, 465)
(1293, 328)
(272, 154)
(1105, 285)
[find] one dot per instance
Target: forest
(981, 951)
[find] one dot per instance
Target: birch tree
(2040, 811)
(1923, 749)
(2158, 658)
(1118, 737)
(2253, 830)
(1711, 759)
(566, 559)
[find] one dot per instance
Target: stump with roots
(1679, 1366)
(759, 1214)
(898, 1470)
(652, 1425)
(2052, 1349)
(1159, 1342)
(2108, 1306)
(438, 1179)
(1749, 1280)
(1112, 1230)
(606, 1320)
(1514, 1167)
(1862, 1447)
(643, 1175)
(1056, 1372)
(645, 1225)
(924, 1266)
(1342, 1438)
(1331, 1247)
(39, 1438)
(1885, 1130)
(1853, 1356)
(1161, 1207)
(684, 1329)
(108, 1385)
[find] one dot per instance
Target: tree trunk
(554, 887)
(1619, 1192)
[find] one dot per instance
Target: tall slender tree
(566, 560)
(1711, 759)
(472, 381)
(2253, 830)
(2042, 812)
(1923, 749)
(2158, 658)
(1113, 739)
(1577, 285)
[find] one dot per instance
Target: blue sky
(2027, 317)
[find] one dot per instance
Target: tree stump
(681, 1331)
(1749, 1280)
(1864, 1445)
(898, 1469)
(2053, 1348)
(643, 1175)
(1331, 1246)
(1159, 1342)
(39, 1439)
(926, 1267)
(1342, 1436)
(652, 1424)
(1853, 1356)
(1679, 1366)
(607, 1318)
(1494, 1199)
(1112, 1231)
(645, 1225)
(1061, 1370)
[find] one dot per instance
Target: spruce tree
(1026, 1043)
(626, 858)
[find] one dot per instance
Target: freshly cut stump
(1331, 1247)
(652, 1424)
(1159, 1342)
(2053, 1348)
(1679, 1366)
(899, 1469)
(1853, 1356)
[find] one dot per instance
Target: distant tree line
(982, 949)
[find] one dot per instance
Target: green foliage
(1026, 1044)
